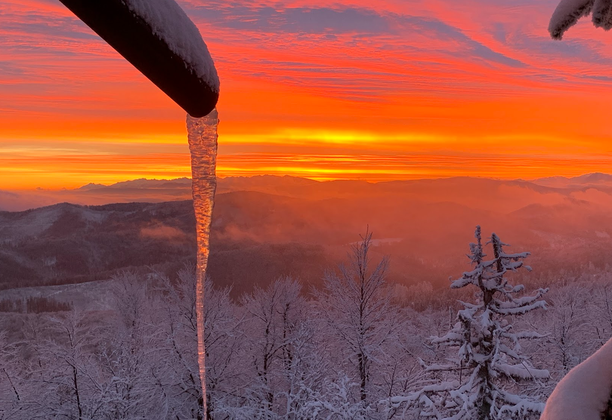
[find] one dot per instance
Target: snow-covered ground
(90, 296)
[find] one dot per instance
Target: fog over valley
(267, 227)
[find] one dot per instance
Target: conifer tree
(479, 382)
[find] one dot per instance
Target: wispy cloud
(460, 72)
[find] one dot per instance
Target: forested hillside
(267, 227)
(353, 349)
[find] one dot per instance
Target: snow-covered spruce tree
(479, 382)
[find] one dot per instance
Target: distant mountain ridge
(66, 243)
(592, 179)
(154, 190)
(267, 227)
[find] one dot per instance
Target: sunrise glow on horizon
(399, 90)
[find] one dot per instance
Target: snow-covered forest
(357, 348)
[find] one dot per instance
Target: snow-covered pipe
(568, 12)
(158, 38)
(585, 392)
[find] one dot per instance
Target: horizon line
(314, 179)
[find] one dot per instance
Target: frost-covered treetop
(170, 23)
(568, 12)
(490, 277)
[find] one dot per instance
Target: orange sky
(399, 90)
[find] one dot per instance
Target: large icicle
(160, 40)
(202, 133)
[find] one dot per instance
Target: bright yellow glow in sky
(397, 91)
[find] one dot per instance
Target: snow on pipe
(158, 38)
(568, 12)
(585, 392)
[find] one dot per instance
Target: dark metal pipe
(135, 39)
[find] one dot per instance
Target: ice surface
(583, 393)
(171, 24)
(202, 133)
